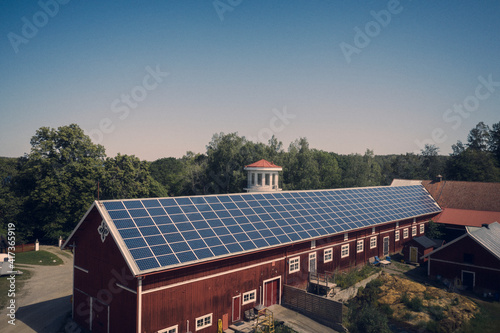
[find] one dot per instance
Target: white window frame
(328, 255)
(396, 235)
(344, 251)
(171, 329)
(346, 236)
(204, 319)
(251, 297)
(413, 231)
(313, 244)
(373, 230)
(373, 242)
(360, 246)
(422, 228)
(397, 224)
(405, 233)
(294, 265)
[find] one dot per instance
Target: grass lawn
(38, 258)
(5, 285)
(487, 321)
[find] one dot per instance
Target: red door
(271, 293)
(237, 308)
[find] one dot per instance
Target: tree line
(46, 192)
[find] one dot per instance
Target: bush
(436, 312)
(368, 320)
(414, 304)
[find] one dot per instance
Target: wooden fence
(321, 309)
(24, 248)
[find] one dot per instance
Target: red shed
(471, 261)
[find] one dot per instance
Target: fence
(322, 310)
(24, 248)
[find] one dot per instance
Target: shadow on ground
(45, 316)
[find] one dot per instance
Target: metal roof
(489, 237)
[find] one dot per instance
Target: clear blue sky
(350, 75)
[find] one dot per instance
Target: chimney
(439, 178)
(485, 225)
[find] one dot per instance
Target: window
(469, 258)
(203, 322)
(413, 231)
(344, 251)
(397, 224)
(373, 242)
(422, 228)
(360, 246)
(396, 235)
(249, 297)
(294, 265)
(373, 230)
(346, 236)
(171, 329)
(328, 255)
(313, 244)
(405, 233)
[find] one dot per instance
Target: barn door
(312, 262)
(386, 246)
(468, 279)
(413, 254)
(271, 292)
(236, 308)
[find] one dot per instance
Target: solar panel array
(173, 231)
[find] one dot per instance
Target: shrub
(368, 320)
(436, 312)
(415, 304)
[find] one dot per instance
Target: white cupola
(263, 176)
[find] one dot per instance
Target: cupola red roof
(262, 164)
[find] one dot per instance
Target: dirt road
(45, 301)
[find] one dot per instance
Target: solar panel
(171, 231)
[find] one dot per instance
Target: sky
(156, 79)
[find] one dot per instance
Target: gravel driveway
(45, 301)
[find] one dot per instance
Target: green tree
(10, 202)
(58, 180)
(494, 144)
(479, 137)
(434, 230)
(128, 177)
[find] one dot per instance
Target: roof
(262, 164)
(425, 242)
(465, 195)
(405, 182)
(488, 237)
(464, 217)
(155, 234)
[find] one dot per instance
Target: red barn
(185, 263)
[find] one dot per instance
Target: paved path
(45, 301)
(298, 322)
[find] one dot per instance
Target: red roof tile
(465, 195)
(466, 217)
(262, 164)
